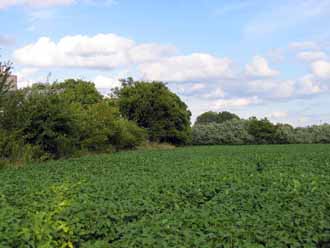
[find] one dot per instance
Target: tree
(284, 134)
(101, 128)
(207, 117)
(50, 125)
(231, 132)
(77, 91)
(154, 107)
(5, 82)
(262, 130)
(226, 116)
(214, 117)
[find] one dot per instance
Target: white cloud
(49, 3)
(45, 3)
(150, 52)
(308, 85)
(272, 88)
(24, 77)
(260, 68)
(34, 3)
(197, 86)
(104, 82)
(194, 67)
(321, 69)
(312, 55)
(235, 102)
(302, 45)
(214, 94)
(278, 114)
(102, 51)
(7, 3)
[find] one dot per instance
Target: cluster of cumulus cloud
(205, 75)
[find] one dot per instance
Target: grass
(219, 196)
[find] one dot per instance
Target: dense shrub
(255, 131)
(213, 117)
(263, 131)
(229, 132)
(102, 128)
(284, 134)
(51, 121)
(154, 107)
(50, 125)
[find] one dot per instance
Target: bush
(154, 107)
(233, 132)
(50, 125)
(214, 117)
(101, 128)
(263, 131)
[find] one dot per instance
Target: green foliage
(284, 134)
(52, 121)
(5, 83)
(101, 125)
(154, 107)
(254, 131)
(219, 196)
(262, 130)
(78, 91)
(233, 132)
(49, 125)
(207, 117)
(213, 117)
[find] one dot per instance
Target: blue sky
(252, 57)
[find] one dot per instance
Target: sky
(251, 57)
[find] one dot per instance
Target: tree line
(71, 118)
(226, 128)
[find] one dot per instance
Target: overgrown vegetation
(153, 107)
(211, 196)
(210, 130)
(65, 119)
(71, 118)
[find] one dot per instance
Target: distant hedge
(257, 131)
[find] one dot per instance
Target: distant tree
(5, 83)
(12, 115)
(226, 116)
(231, 132)
(78, 91)
(214, 117)
(207, 117)
(154, 107)
(263, 131)
(303, 135)
(284, 134)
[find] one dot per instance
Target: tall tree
(262, 130)
(214, 117)
(5, 82)
(154, 107)
(207, 117)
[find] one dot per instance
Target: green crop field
(221, 196)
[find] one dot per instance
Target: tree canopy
(154, 107)
(214, 117)
(5, 83)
